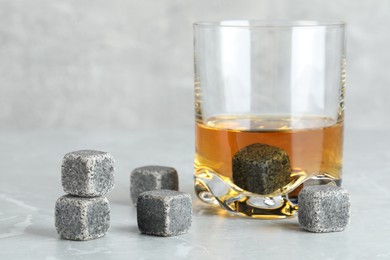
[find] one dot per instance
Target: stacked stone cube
(84, 213)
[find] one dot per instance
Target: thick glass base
(213, 188)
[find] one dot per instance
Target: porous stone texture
(324, 208)
(164, 212)
(88, 173)
(78, 218)
(152, 177)
(261, 168)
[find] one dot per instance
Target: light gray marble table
(30, 164)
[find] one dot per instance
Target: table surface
(30, 185)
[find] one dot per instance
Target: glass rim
(269, 23)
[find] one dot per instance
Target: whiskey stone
(78, 218)
(261, 168)
(324, 208)
(152, 177)
(88, 173)
(164, 213)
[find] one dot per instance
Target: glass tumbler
(279, 83)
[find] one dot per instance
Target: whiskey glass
(279, 83)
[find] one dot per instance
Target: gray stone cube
(78, 218)
(152, 177)
(164, 212)
(261, 168)
(88, 173)
(324, 208)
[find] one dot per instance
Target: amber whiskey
(314, 144)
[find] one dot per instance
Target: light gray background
(118, 76)
(126, 64)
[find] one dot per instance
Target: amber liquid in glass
(314, 144)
